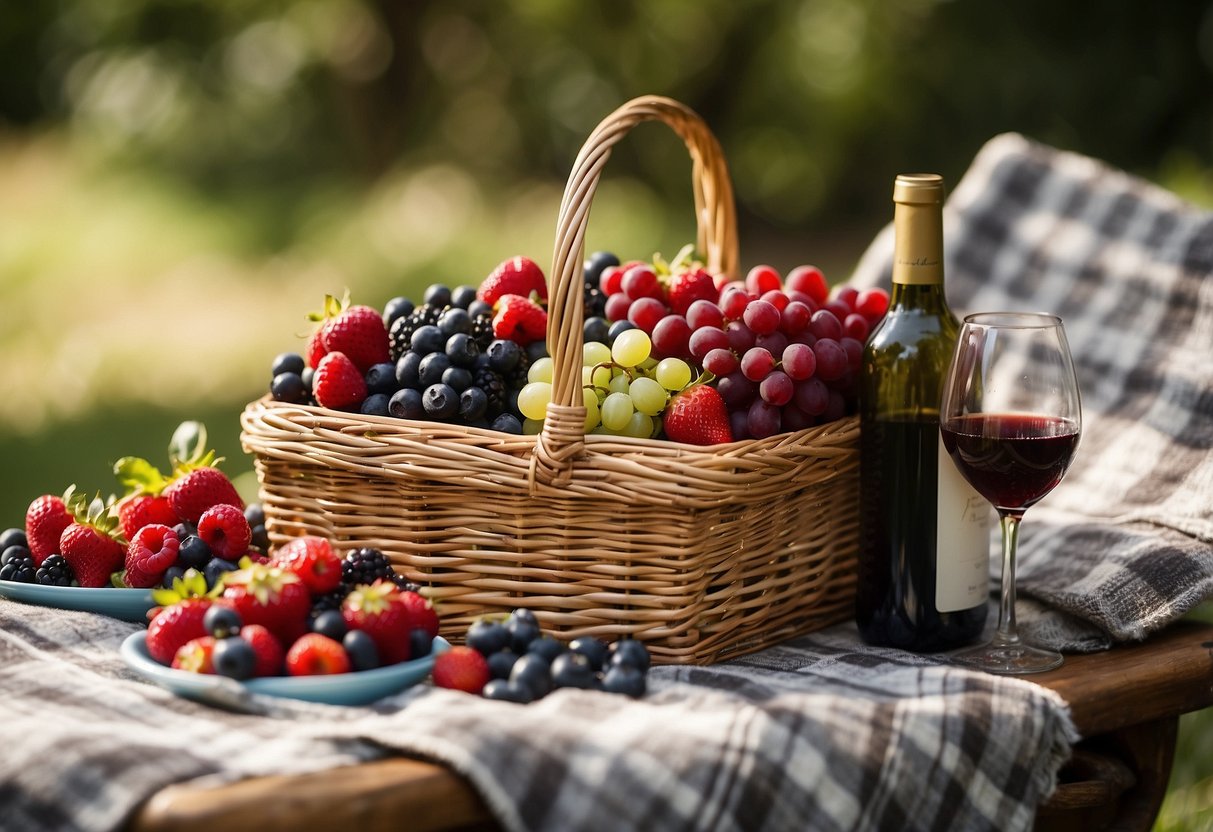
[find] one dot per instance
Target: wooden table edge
(1165, 676)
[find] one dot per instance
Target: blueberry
(522, 633)
(287, 362)
(194, 553)
(463, 296)
(309, 376)
(234, 658)
(407, 370)
(618, 327)
(462, 350)
(396, 308)
(629, 651)
(537, 350)
(13, 552)
(216, 568)
(504, 355)
(479, 307)
(381, 378)
(457, 378)
(330, 623)
(503, 691)
(525, 615)
(361, 649)
(427, 339)
(596, 329)
(455, 321)
(533, 674)
(472, 403)
(420, 643)
(501, 663)
(487, 637)
(547, 647)
(625, 679)
(437, 295)
(507, 423)
(440, 401)
(406, 404)
(254, 513)
(289, 387)
(376, 404)
(596, 264)
(572, 670)
(171, 574)
(592, 649)
(13, 537)
(431, 368)
(222, 622)
(260, 537)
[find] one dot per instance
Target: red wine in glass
(1011, 420)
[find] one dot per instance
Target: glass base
(1008, 659)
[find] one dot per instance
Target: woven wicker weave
(703, 553)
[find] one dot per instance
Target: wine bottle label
(962, 544)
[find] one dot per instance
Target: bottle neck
(918, 244)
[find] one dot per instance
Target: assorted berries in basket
(669, 351)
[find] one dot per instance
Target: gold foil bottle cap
(918, 189)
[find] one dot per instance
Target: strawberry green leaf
(138, 476)
(118, 579)
(188, 442)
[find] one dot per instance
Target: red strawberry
(516, 276)
(698, 416)
(461, 668)
(519, 319)
(225, 529)
(316, 655)
(152, 550)
(338, 383)
(360, 334)
(141, 510)
(45, 521)
(316, 348)
(196, 656)
(92, 553)
(377, 610)
(271, 597)
(686, 287)
(421, 611)
(175, 625)
(197, 490)
(266, 648)
(313, 560)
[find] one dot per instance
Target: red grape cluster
(785, 354)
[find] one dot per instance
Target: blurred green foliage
(181, 180)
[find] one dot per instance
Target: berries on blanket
(45, 521)
(461, 668)
(225, 530)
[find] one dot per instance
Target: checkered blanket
(821, 732)
(1125, 544)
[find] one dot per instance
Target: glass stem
(1008, 634)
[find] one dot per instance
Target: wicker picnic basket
(702, 552)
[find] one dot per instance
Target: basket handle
(563, 436)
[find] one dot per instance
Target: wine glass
(1011, 419)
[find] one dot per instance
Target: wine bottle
(923, 581)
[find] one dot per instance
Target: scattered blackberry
(404, 583)
(330, 600)
(516, 379)
(55, 571)
(493, 386)
(18, 565)
(482, 329)
(365, 566)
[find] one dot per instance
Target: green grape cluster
(625, 389)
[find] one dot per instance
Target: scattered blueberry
(420, 643)
(427, 339)
(625, 679)
(533, 674)
(572, 670)
(629, 651)
(381, 378)
(547, 647)
(501, 663)
(487, 636)
(171, 574)
(432, 367)
(215, 568)
(396, 308)
(440, 401)
(503, 690)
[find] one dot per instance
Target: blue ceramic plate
(340, 689)
(127, 604)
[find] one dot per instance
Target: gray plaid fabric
(1125, 544)
(821, 732)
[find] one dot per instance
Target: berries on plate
(45, 521)
(151, 551)
(312, 559)
(225, 530)
(378, 611)
(199, 489)
(89, 544)
(196, 656)
(270, 596)
(174, 625)
(316, 655)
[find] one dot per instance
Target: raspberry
(338, 383)
(150, 553)
(520, 319)
(226, 531)
(316, 655)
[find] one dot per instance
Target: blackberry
(330, 600)
(365, 566)
(55, 571)
(482, 329)
(400, 336)
(515, 379)
(493, 385)
(18, 565)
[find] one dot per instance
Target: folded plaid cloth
(819, 733)
(1124, 545)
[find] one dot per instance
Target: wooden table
(1125, 702)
